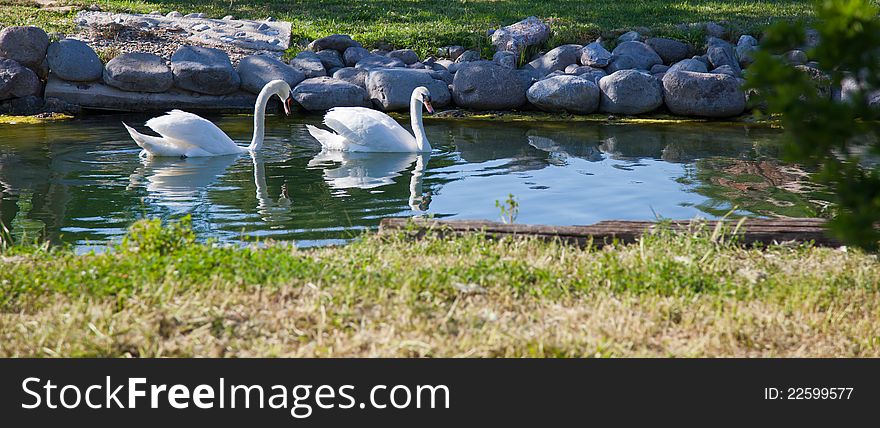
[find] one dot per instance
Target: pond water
(82, 182)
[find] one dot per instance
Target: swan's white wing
(369, 130)
(193, 134)
(328, 140)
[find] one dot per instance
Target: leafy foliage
(150, 237)
(839, 137)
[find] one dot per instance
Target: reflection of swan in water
(182, 184)
(274, 211)
(418, 200)
(365, 170)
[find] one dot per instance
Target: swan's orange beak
(288, 104)
(428, 106)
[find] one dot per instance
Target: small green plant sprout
(509, 209)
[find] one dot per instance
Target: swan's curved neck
(415, 117)
(260, 119)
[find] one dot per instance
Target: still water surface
(82, 182)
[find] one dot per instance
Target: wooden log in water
(750, 232)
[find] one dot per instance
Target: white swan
(360, 129)
(186, 135)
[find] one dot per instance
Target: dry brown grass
(301, 321)
(671, 295)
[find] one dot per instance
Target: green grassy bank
(160, 293)
(427, 24)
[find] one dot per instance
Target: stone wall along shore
(631, 75)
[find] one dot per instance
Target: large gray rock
(633, 55)
(702, 58)
(629, 36)
(517, 37)
(745, 50)
(138, 72)
(703, 94)
(557, 59)
(565, 93)
(689, 64)
(484, 85)
(580, 69)
(745, 54)
(391, 89)
(590, 73)
(444, 64)
(595, 55)
(505, 59)
(24, 45)
(724, 69)
(796, 57)
(354, 54)
(442, 75)
(553, 74)
(357, 76)
(659, 68)
(715, 30)
(17, 81)
(73, 60)
(339, 42)
(324, 93)
(468, 56)
(309, 64)
(721, 53)
(747, 40)
(258, 70)
(378, 61)
(408, 56)
(670, 51)
(630, 92)
(204, 70)
(25, 106)
(103, 97)
(330, 59)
